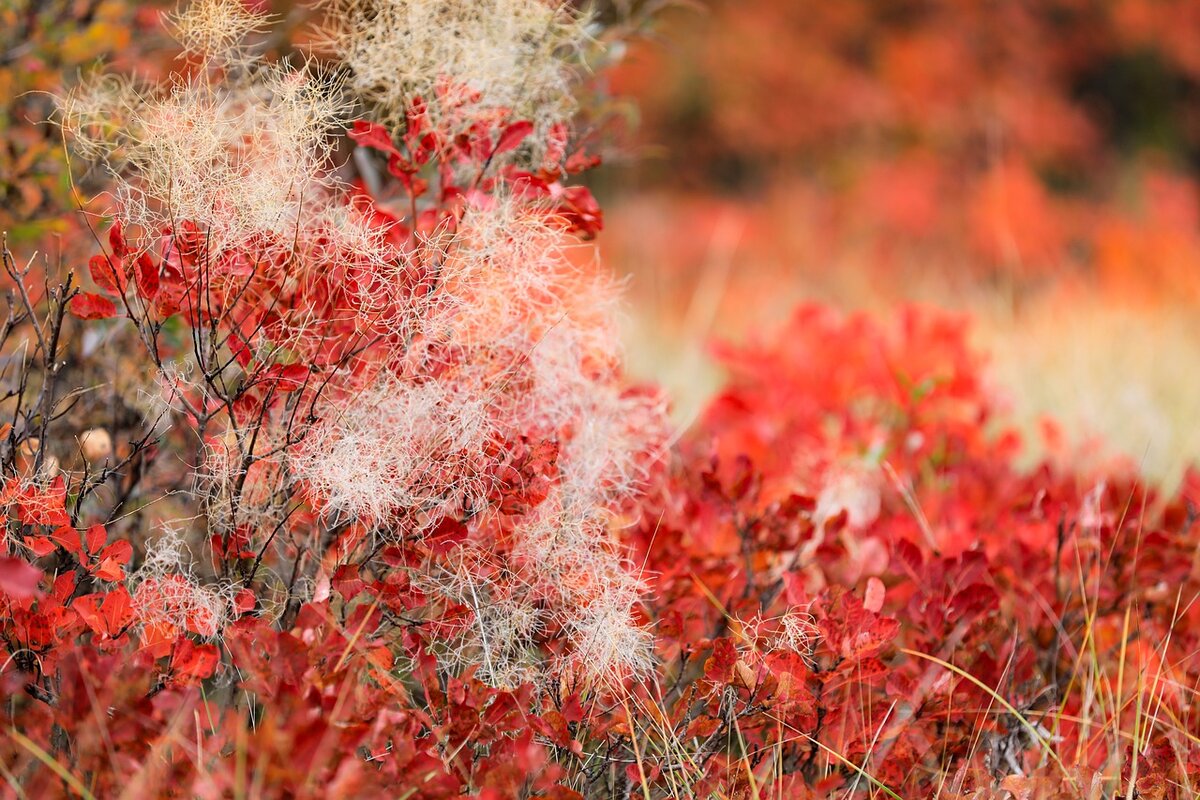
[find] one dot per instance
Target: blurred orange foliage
(1027, 141)
(45, 44)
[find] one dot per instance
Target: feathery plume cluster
(499, 639)
(399, 449)
(507, 268)
(798, 632)
(240, 150)
(516, 55)
(238, 161)
(166, 595)
(240, 477)
(608, 646)
(215, 29)
(562, 581)
(95, 113)
(522, 342)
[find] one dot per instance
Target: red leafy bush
(858, 589)
(384, 517)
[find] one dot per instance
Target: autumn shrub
(324, 479)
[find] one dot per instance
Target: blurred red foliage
(1028, 140)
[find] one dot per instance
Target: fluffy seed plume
(215, 29)
(240, 150)
(516, 55)
(608, 646)
(399, 448)
(166, 595)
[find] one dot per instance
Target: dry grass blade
(1025, 723)
(52, 764)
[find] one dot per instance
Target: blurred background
(1030, 163)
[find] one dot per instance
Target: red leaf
(347, 582)
(146, 277)
(561, 792)
(425, 147)
(106, 614)
(553, 726)
(448, 534)
(171, 290)
(572, 710)
(581, 161)
(117, 609)
(119, 551)
(68, 539)
(406, 172)
(92, 306)
(243, 601)
(371, 134)
(400, 166)
(873, 600)
(292, 377)
(107, 570)
(634, 773)
(580, 209)
(191, 662)
(108, 273)
(43, 506)
(40, 545)
(116, 239)
(247, 407)
(871, 639)
(512, 136)
(971, 602)
(417, 111)
(702, 727)
(909, 555)
(287, 378)
(18, 579)
(157, 639)
(719, 667)
(12, 488)
(64, 586)
(95, 538)
(793, 587)
(241, 352)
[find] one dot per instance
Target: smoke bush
(515, 56)
(420, 536)
(384, 359)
